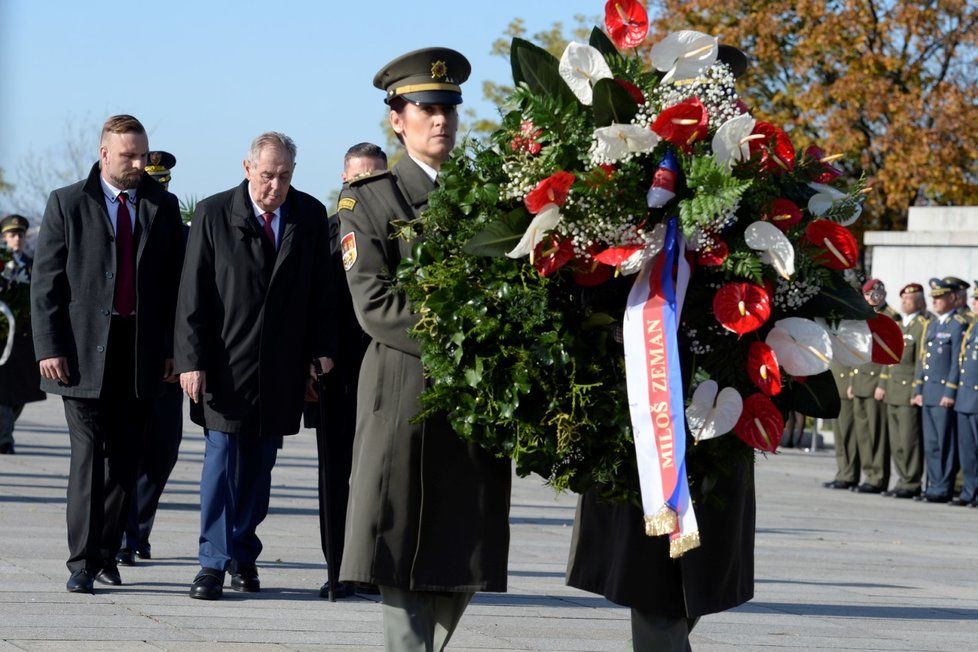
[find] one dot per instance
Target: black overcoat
(253, 318)
(427, 511)
(73, 284)
(611, 555)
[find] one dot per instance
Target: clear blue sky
(205, 77)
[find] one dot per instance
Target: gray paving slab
(835, 570)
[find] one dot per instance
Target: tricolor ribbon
(655, 393)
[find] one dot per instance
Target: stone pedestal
(939, 241)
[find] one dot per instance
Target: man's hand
(917, 400)
(168, 375)
(54, 369)
(849, 393)
(194, 384)
(947, 402)
(879, 394)
(326, 364)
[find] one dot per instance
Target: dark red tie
(125, 260)
(269, 233)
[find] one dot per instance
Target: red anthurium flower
(837, 244)
(627, 22)
(761, 424)
(682, 124)
(762, 368)
(552, 253)
(552, 190)
(615, 256)
(783, 213)
(713, 253)
(741, 307)
(887, 339)
(829, 172)
(633, 91)
(777, 152)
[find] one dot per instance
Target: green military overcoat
(427, 511)
(897, 380)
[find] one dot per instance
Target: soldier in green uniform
(896, 390)
(868, 411)
(428, 515)
(846, 451)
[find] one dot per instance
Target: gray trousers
(8, 417)
(655, 633)
(420, 621)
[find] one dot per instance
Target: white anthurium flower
(774, 245)
(582, 66)
(711, 414)
(803, 348)
(684, 54)
(852, 342)
(633, 263)
(546, 220)
(825, 197)
(616, 141)
(731, 143)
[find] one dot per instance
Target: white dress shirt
(430, 171)
(259, 211)
(909, 318)
(112, 203)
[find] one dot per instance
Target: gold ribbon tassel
(664, 522)
(683, 544)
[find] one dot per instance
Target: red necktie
(125, 257)
(269, 233)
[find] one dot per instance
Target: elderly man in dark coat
(255, 308)
(102, 298)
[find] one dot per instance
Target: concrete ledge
(922, 238)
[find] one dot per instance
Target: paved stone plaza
(835, 570)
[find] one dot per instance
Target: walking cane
(325, 456)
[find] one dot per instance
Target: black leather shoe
(143, 552)
(208, 585)
(342, 590)
(125, 557)
(905, 493)
(957, 502)
(245, 579)
(80, 582)
(936, 498)
(109, 575)
(6, 448)
(837, 484)
(866, 488)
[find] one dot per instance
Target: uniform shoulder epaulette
(961, 320)
(367, 178)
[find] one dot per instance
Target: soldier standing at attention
(20, 380)
(846, 451)
(935, 389)
(164, 433)
(966, 407)
(868, 410)
(428, 517)
(896, 390)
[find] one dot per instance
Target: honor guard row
(921, 412)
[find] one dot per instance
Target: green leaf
(841, 302)
(817, 396)
(473, 374)
(612, 104)
(500, 235)
(600, 42)
(597, 320)
(514, 60)
(538, 69)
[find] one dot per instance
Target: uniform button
(926, 366)
(105, 311)
(872, 373)
(928, 354)
(942, 381)
(903, 382)
(926, 377)
(108, 275)
(100, 348)
(855, 371)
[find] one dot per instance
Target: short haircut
(271, 139)
(364, 150)
(122, 124)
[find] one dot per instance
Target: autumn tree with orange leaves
(890, 84)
